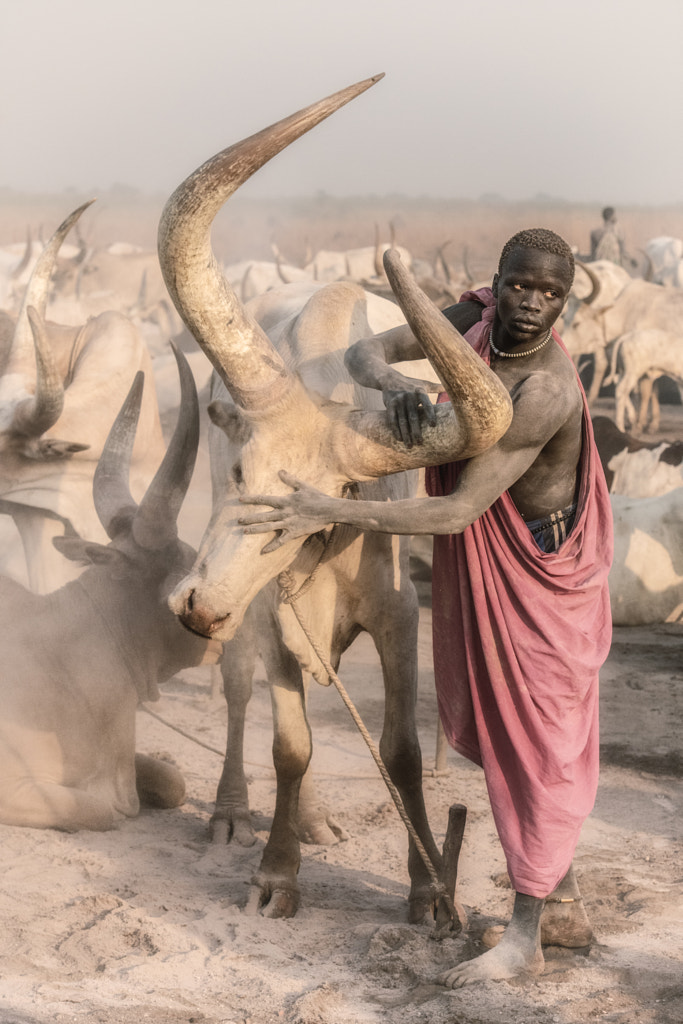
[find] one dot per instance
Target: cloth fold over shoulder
(519, 637)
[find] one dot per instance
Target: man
(607, 242)
(522, 549)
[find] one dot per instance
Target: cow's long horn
(21, 359)
(594, 280)
(241, 353)
(37, 414)
(155, 521)
(113, 501)
(480, 410)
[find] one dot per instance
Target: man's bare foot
(517, 955)
(564, 921)
(498, 964)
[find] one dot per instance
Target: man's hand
(409, 408)
(303, 512)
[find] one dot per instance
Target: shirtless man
(544, 468)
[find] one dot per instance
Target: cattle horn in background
(30, 354)
(153, 522)
(21, 359)
(594, 280)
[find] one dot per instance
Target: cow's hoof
(232, 827)
(321, 831)
(274, 900)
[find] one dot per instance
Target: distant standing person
(607, 242)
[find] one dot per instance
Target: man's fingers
(290, 480)
(258, 527)
(261, 499)
(273, 544)
(403, 424)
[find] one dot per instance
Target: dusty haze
(576, 100)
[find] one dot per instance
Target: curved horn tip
(392, 258)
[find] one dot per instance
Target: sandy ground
(147, 923)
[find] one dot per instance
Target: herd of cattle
(103, 600)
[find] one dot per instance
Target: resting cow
(646, 579)
(76, 662)
(634, 468)
(294, 404)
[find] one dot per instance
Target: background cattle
(635, 468)
(76, 663)
(639, 358)
(665, 261)
(60, 390)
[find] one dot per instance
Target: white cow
(645, 355)
(76, 662)
(595, 290)
(646, 579)
(665, 256)
(638, 306)
(293, 405)
(634, 468)
(60, 391)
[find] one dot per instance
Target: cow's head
(145, 558)
(278, 422)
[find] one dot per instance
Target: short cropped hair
(539, 238)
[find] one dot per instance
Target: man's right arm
(406, 398)
(369, 360)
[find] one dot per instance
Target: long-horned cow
(76, 662)
(60, 390)
(293, 406)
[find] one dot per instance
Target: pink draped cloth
(519, 637)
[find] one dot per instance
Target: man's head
(535, 275)
(542, 239)
(608, 214)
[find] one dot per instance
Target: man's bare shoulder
(544, 402)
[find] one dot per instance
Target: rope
(187, 735)
(286, 582)
(221, 753)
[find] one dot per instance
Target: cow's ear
(73, 548)
(50, 449)
(87, 553)
(230, 420)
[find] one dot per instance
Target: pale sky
(579, 99)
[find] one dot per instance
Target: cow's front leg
(231, 818)
(599, 370)
(276, 890)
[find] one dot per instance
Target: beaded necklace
(518, 355)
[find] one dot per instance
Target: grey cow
(75, 663)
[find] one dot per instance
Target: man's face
(531, 293)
